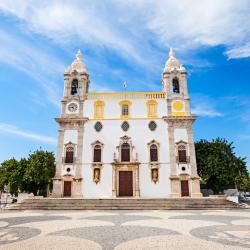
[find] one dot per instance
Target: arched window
(176, 86)
(152, 108)
(125, 152)
(97, 153)
(182, 153)
(153, 153)
(69, 155)
(99, 110)
(74, 87)
(125, 110)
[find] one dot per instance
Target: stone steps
(124, 204)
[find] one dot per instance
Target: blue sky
(122, 40)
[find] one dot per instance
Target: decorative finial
(171, 52)
(78, 55)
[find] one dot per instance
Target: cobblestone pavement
(125, 230)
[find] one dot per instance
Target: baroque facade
(126, 144)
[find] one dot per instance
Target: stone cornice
(179, 121)
(71, 121)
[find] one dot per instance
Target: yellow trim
(178, 113)
(126, 95)
(128, 103)
(138, 118)
(99, 109)
(152, 108)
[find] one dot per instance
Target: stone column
(77, 181)
(175, 183)
(171, 149)
(57, 181)
(195, 179)
(192, 151)
(59, 152)
(79, 151)
(137, 186)
(175, 186)
(113, 181)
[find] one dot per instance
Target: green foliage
(28, 175)
(39, 172)
(218, 166)
(245, 184)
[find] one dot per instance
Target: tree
(218, 166)
(3, 178)
(11, 176)
(39, 172)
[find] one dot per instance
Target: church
(126, 144)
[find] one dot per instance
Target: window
(99, 110)
(74, 87)
(182, 153)
(97, 153)
(125, 110)
(98, 126)
(152, 108)
(125, 152)
(153, 153)
(152, 125)
(176, 87)
(69, 155)
(125, 126)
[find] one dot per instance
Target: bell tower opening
(74, 87)
(175, 86)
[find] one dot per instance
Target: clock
(72, 107)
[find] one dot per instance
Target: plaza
(125, 229)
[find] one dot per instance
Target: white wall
(110, 137)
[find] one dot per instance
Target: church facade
(126, 144)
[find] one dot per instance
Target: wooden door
(125, 183)
(184, 188)
(67, 188)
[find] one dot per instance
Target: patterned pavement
(125, 230)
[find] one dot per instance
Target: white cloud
(205, 111)
(203, 105)
(131, 27)
(240, 52)
(36, 62)
(10, 129)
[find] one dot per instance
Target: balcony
(182, 159)
(69, 161)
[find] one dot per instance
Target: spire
(79, 55)
(78, 64)
(171, 53)
(172, 62)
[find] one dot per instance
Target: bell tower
(184, 178)
(76, 85)
(68, 176)
(174, 83)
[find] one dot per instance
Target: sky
(122, 40)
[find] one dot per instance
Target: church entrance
(67, 189)
(184, 188)
(125, 183)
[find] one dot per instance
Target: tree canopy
(218, 166)
(28, 175)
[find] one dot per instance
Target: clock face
(72, 107)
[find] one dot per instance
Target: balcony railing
(183, 159)
(64, 160)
